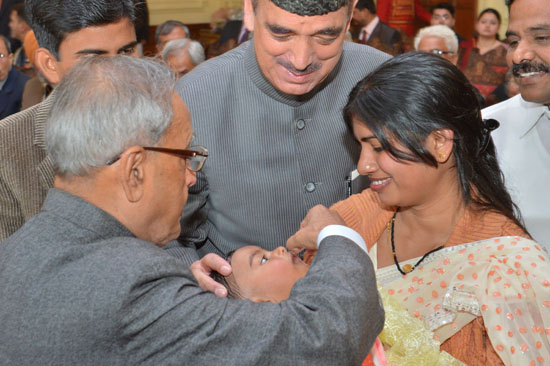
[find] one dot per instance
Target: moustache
(528, 67)
(309, 69)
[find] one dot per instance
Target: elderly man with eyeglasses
(86, 282)
(439, 40)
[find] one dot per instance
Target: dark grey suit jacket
(79, 289)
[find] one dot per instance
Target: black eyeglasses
(195, 156)
(435, 51)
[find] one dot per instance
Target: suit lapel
(45, 166)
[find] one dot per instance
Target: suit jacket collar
(533, 113)
(40, 120)
(372, 28)
(84, 214)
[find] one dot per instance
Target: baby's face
(262, 275)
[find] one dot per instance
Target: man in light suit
(369, 29)
(66, 31)
(84, 283)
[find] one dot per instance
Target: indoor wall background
(200, 11)
(187, 11)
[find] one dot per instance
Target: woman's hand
(202, 268)
(316, 220)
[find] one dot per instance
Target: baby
(261, 275)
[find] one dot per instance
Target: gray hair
(440, 31)
(193, 48)
(103, 106)
(308, 7)
(167, 27)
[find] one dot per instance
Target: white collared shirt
(369, 28)
(523, 150)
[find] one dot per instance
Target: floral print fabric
(505, 280)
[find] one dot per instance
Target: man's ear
(47, 65)
(441, 143)
(249, 17)
(132, 173)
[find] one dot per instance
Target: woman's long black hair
(414, 94)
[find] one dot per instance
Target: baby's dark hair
(233, 290)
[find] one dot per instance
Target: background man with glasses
(439, 40)
(85, 282)
(12, 81)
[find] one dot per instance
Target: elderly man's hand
(316, 219)
(202, 268)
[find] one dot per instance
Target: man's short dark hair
(446, 6)
(366, 4)
(308, 7)
(7, 43)
(53, 20)
(19, 9)
(509, 2)
(166, 27)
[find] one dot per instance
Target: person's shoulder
(19, 78)
(386, 27)
(22, 77)
(19, 122)
(503, 108)
(356, 54)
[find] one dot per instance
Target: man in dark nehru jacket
(270, 110)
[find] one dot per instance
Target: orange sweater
(363, 213)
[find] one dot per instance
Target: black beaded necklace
(407, 268)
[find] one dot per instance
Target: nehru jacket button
(310, 187)
(300, 124)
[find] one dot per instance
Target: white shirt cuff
(344, 231)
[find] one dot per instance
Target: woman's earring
(441, 155)
(367, 167)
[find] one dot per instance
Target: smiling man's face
(296, 53)
(529, 36)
